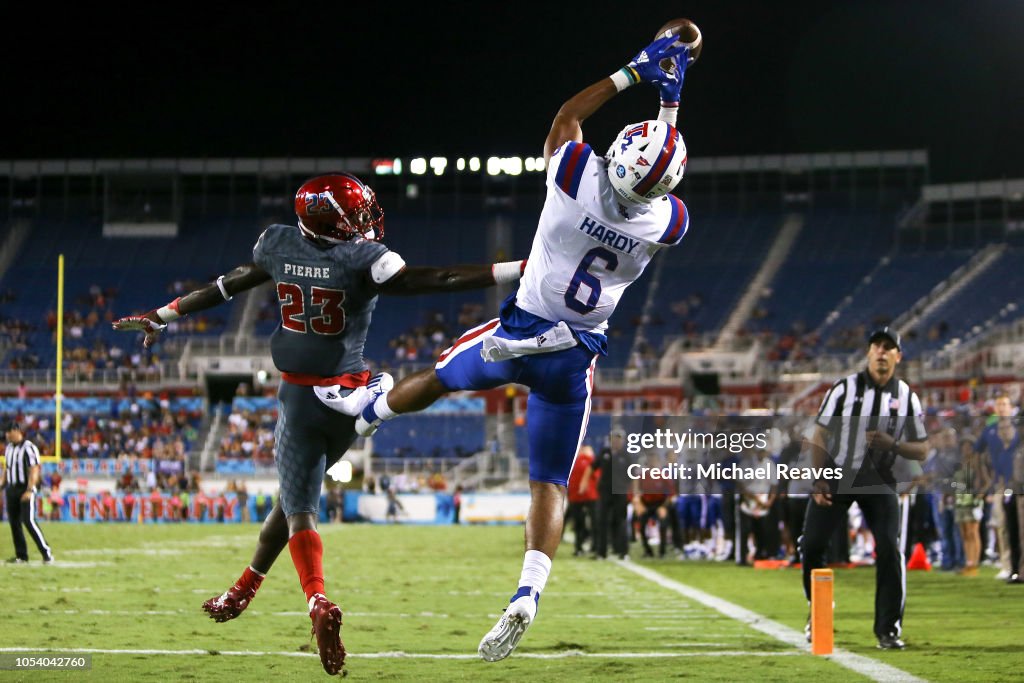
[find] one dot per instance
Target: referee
(22, 475)
(866, 420)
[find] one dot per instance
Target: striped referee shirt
(855, 405)
(19, 459)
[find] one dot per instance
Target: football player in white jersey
(603, 220)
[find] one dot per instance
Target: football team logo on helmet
(630, 132)
(646, 161)
(338, 207)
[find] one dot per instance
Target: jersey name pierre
(607, 236)
(317, 272)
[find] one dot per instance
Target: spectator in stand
(653, 499)
(793, 493)
(242, 493)
(335, 501)
(612, 503)
(582, 492)
(943, 461)
(968, 483)
(457, 503)
(757, 508)
(998, 444)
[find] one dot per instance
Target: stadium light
(512, 165)
(398, 167)
(438, 164)
(383, 166)
(493, 166)
(460, 164)
(418, 166)
(528, 164)
(474, 164)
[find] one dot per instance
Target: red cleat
(230, 605)
(326, 618)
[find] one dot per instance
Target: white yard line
(371, 615)
(872, 668)
(567, 654)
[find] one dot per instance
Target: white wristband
(624, 77)
(508, 271)
(169, 312)
(222, 288)
(668, 113)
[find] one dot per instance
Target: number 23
(331, 320)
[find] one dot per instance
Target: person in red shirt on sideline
(582, 497)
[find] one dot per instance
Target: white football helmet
(646, 161)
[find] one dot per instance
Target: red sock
(250, 580)
(308, 557)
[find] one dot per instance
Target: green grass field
(437, 590)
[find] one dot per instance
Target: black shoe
(16, 560)
(1014, 578)
(890, 642)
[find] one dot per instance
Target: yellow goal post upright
(59, 393)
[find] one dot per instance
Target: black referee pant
(882, 514)
(22, 512)
(611, 520)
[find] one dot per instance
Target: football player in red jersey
(328, 271)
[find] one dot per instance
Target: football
(689, 35)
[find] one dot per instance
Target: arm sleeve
(565, 170)
(915, 425)
(388, 265)
(33, 453)
(827, 412)
(259, 252)
(365, 254)
(678, 222)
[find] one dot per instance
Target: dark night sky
(486, 78)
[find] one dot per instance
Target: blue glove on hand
(646, 66)
(670, 86)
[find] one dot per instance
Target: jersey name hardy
(318, 272)
(606, 235)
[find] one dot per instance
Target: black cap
(11, 424)
(887, 333)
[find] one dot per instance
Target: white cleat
(365, 428)
(501, 640)
(367, 422)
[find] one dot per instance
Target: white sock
(381, 408)
(536, 567)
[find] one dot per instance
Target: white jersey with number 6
(588, 249)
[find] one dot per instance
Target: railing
(85, 380)
(229, 345)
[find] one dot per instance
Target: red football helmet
(338, 207)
